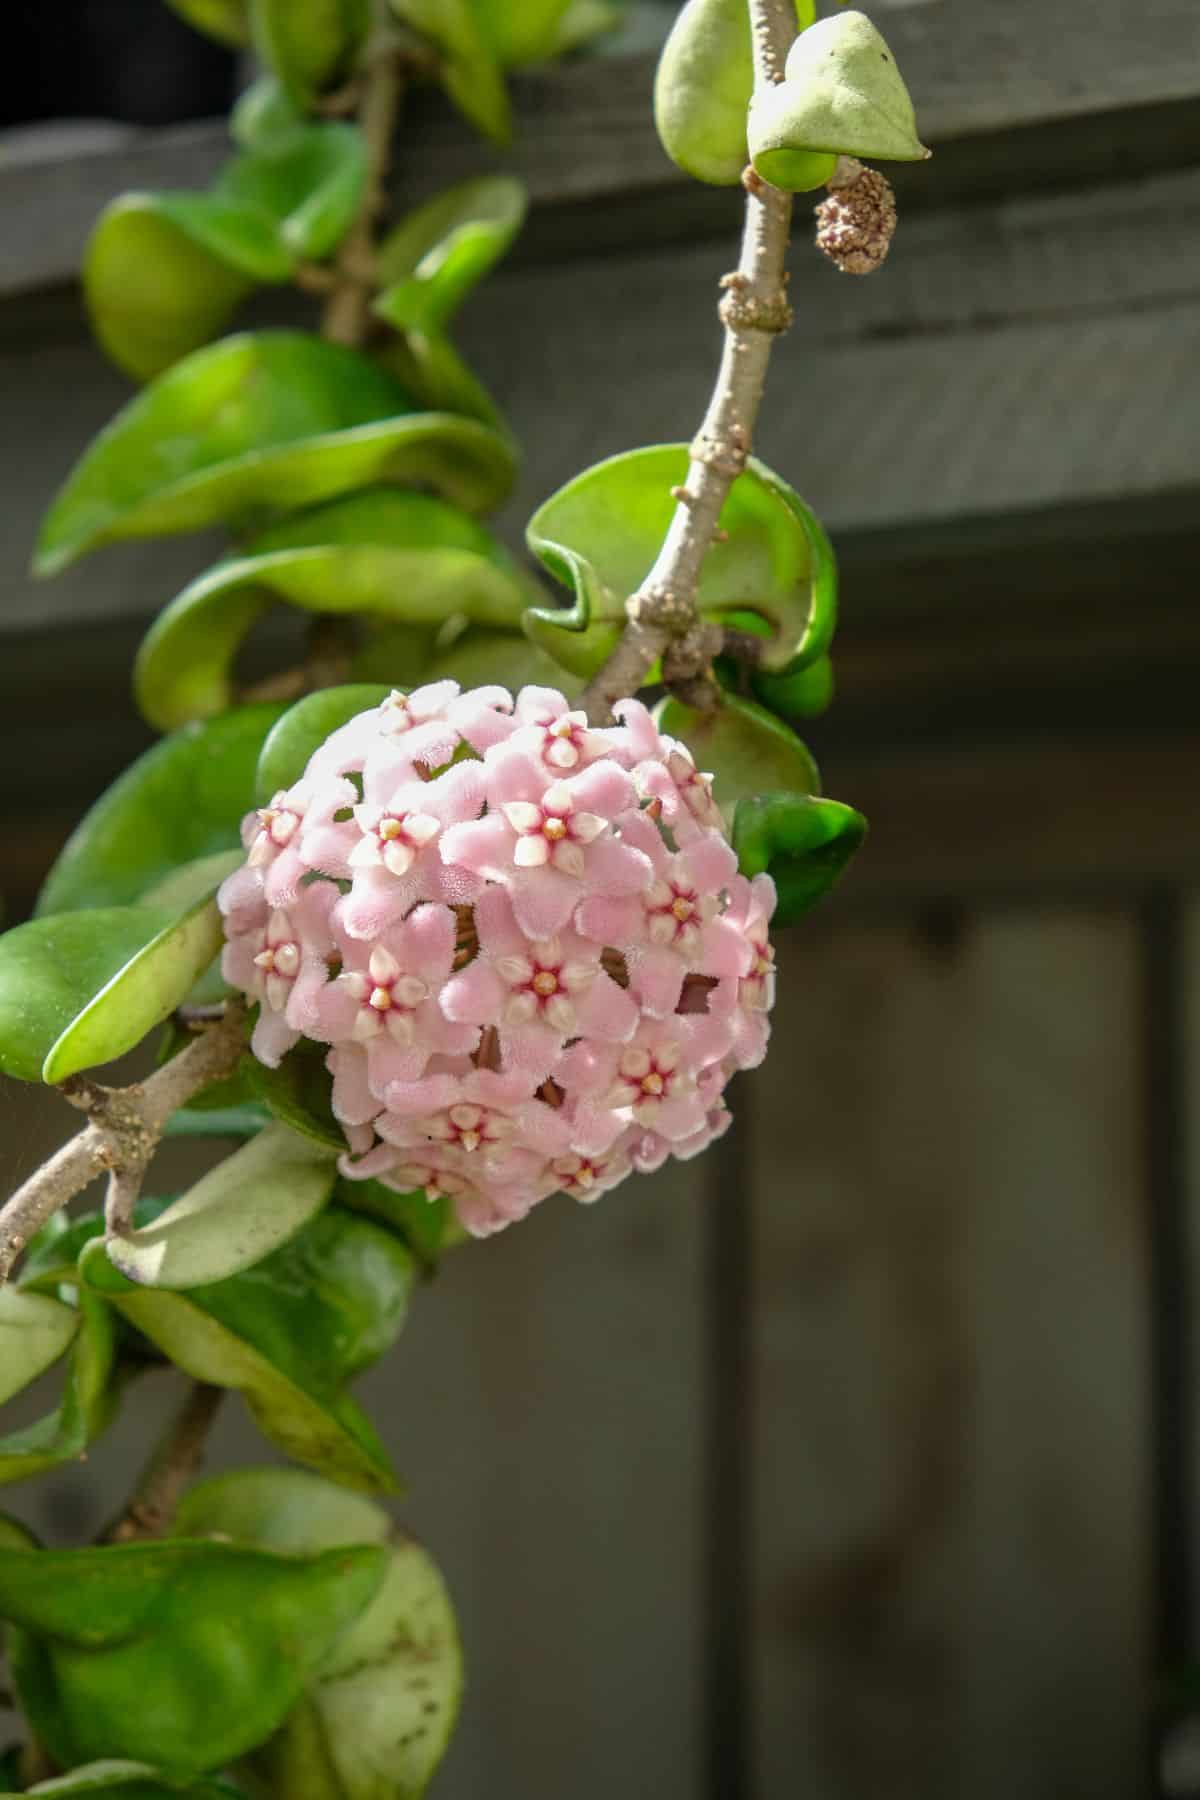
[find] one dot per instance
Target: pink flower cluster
(525, 941)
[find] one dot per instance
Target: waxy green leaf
(304, 727)
(180, 1654)
(467, 64)
(380, 1708)
(799, 694)
(802, 842)
(703, 85)
(34, 1332)
(745, 749)
(601, 533)
(427, 1226)
(288, 1333)
(79, 989)
(297, 1093)
(181, 802)
(131, 1781)
(391, 555)
(87, 1402)
(257, 423)
(842, 95)
(309, 46)
(164, 272)
(237, 1214)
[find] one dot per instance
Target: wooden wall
(855, 1459)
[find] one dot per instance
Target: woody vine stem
(662, 616)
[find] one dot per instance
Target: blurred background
(858, 1459)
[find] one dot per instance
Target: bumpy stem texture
(126, 1125)
(662, 619)
(348, 311)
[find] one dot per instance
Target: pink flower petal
(543, 900)
(606, 1011)
(614, 868)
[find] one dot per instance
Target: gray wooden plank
(951, 1411)
(973, 68)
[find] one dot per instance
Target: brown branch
(151, 1507)
(347, 315)
(126, 1125)
(662, 618)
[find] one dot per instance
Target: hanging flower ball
(524, 940)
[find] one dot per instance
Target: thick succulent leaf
(226, 20)
(237, 1214)
(418, 561)
(802, 842)
(523, 34)
(79, 989)
(584, 20)
(288, 1334)
(382, 1705)
(745, 749)
(601, 533)
(843, 95)
(703, 85)
(441, 250)
(121, 1780)
(799, 694)
(141, 994)
(427, 1226)
(34, 1332)
(304, 727)
(163, 273)
(309, 45)
(181, 802)
(255, 423)
(87, 1401)
(180, 1654)
(468, 67)
(154, 291)
(298, 1094)
(427, 365)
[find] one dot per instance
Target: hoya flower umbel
(524, 941)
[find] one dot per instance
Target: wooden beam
(587, 134)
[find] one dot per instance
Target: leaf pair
(309, 44)
(37, 1329)
(126, 921)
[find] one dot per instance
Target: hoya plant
(465, 912)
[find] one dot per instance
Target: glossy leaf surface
(90, 985)
(63, 1434)
(241, 1211)
(182, 801)
(390, 555)
(255, 423)
(801, 694)
(309, 45)
(843, 95)
(468, 66)
(288, 1334)
(802, 842)
(382, 1705)
(34, 1332)
(745, 749)
(427, 1226)
(304, 727)
(601, 533)
(441, 250)
(297, 1093)
(180, 1654)
(131, 1781)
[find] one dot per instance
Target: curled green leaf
(842, 95)
(468, 66)
(297, 1093)
(226, 20)
(237, 1214)
(745, 748)
(393, 556)
(121, 1780)
(309, 46)
(379, 1710)
(254, 424)
(601, 532)
(79, 989)
(304, 727)
(802, 842)
(427, 1226)
(88, 1396)
(178, 1654)
(34, 1332)
(288, 1334)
